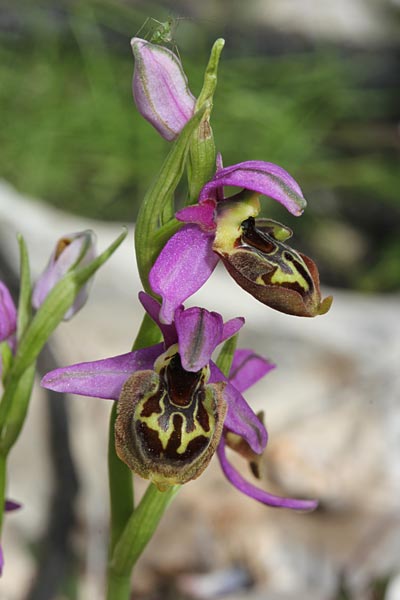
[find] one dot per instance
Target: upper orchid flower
(160, 88)
(254, 251)
(75, 249)
(175, 407)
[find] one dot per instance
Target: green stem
(140, 529)
(3, 479)
(118, 588)
(160, 193)
(121, 488)
(121, 481)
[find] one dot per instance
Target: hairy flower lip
(160, 88)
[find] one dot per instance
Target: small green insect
(160, 32)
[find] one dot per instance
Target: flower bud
(8, 313)
(169, 421)
(160, 88)
(71, 251)
(256, 255)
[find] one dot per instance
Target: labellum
(169, 421)
(265, 266)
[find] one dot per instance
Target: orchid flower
(72, 250)
(9, 506)
(160, 88)
(175, 407)
(254, 251)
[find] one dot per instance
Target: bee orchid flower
(254, 251)
(175, 407)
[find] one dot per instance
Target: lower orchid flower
(254, 251)
(175, 407)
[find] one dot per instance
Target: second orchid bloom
(175, 407)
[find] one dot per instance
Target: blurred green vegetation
(71, 135)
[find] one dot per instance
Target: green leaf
(225, 357)
(18, 407)
(6, 358)
(24, 304)
(201, 163)
(157, 198)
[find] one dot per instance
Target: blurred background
(314, 87)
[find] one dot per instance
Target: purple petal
(152, 307)
(8, 313)
(101, 378)
(262, 177)
(231, 327)
(11, 505)
(247, 368)
(199, 333)
(256, 493)
(201, 214)
(240, 418)
(160, 88)
(184, 264)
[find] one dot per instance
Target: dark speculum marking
(273, 256)
(255, 238)
(174, 423)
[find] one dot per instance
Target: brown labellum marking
(150, 439)
(255, 238)
(152, 405)
(181, 384)
(202, 417)
(168, 425)
(62, 244)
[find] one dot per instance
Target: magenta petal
(184, 264)
(231, 327)
(201, 214)
(256, 493)
(152, 307)
(101, 378)
(240, 418)
(247, 368)
(8, 313)
(199, 333)
(262, 177)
